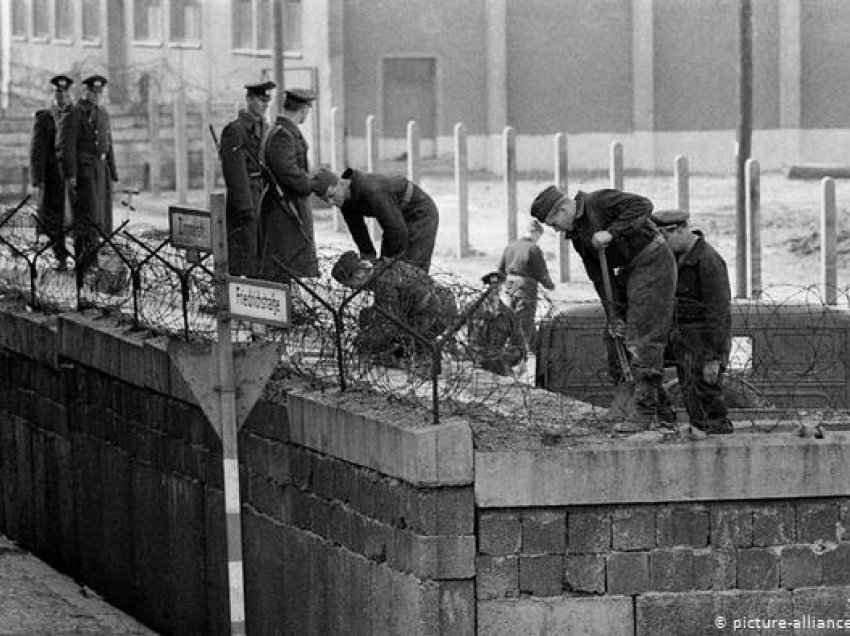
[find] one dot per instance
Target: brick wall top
(716, 469)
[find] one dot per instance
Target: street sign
(190, 228)
(259, 301)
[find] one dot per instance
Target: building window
(185, 23)
(147, 20)
(41, 18)
(19, 18)
(64, 19)
(253, 22)
(91, 20)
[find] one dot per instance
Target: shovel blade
(622, 401)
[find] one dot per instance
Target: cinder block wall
(110, 472)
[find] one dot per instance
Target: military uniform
(84, 147)
(242, 139)
(286, 232)
(408, 217)
(45, 173)
(525, 267)
(644, 297)
(702, 328)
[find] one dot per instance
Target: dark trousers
(421, 236)
(704, 402)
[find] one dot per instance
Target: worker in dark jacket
(240, 150)
(44, 169)
(495, 334)
(87, 162)
(525, 267)
(404, 291)
(701, 337)
(618, 222)
(286, 229)
(408, 217)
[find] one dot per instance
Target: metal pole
(277, 29)
(509, 139)
(616, 167)
(562, 182)
(462, 188)
(753, 216)
(227, 412)
(828, 231)
(682, 172)
(745, 132)
(413, 151)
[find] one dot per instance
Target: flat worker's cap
(546, 201)
(321, 181)
(303, 95)
(347, 264)
(61, 82)
(669, 218)
(95, 82)
(261, 90)
(493, 278)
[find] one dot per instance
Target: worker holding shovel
(611, 230)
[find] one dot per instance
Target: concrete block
(774, 524)
(541, 575)
(589, 530)
(811, 605)
(633, 528)
(455, 510)
(415, 605)
(512, 617)
(844, 519)
(800, 566)
(836, 565)
(544, 532)
(457, 608)
(817, 521)
(714, 569)
(455, 460)
(682, 526)
(584, 573)
(731, 525)
(605, 616)
(278, 458)
(693, 613)
(499, 533)
(758, 568)
(497, 577)
(627, 572)
(671, 570)
(295, 407)
(772, 605)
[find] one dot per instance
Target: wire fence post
(337, 156)
(561, 180)
(509, 148)
(753, 217)
(616, 165)
(462, 189)
(413, 151)
(371, 166)
(828, 232)
(681, 177)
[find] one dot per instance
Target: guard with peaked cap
(286, 226)
(87, 161)
(241, 152)
(44, 169)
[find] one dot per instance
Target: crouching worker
(495, 333)
(403, 291)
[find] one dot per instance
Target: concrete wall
(352, 524)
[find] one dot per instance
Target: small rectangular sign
(259, 301)
(190, 228)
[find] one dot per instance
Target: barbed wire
(789, 359)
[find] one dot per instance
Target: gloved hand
(602, 238)
(617, 328)
(711, 371)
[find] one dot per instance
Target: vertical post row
(462, 188)
(682, 176)
(371, 165)
(509, 139)
(753, 217)
(337, 154)
(616, 166)
(155, 161)
(828, 231)
(181, 143)
(413, 151)
(228, 426)
(561, 182)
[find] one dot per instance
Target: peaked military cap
(61, 82)
(95, 82)
(669, 218)
(261, 89)
(303, 95)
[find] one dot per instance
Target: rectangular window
(90, 20)
(292, 26)
(19, 18)
(185, 24)
(243, 24)
(41, 18)
(147, 18)
(264, 21)
(64, 19)
(253, 25)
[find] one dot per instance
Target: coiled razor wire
(149, 284)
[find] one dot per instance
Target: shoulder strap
(266, 140)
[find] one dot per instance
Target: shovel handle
(622, 358)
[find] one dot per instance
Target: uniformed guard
(44, 169)
(286, 231)
(408, 217)
(701, 337)
(241, 151)
(87, 162)
(524, 267)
